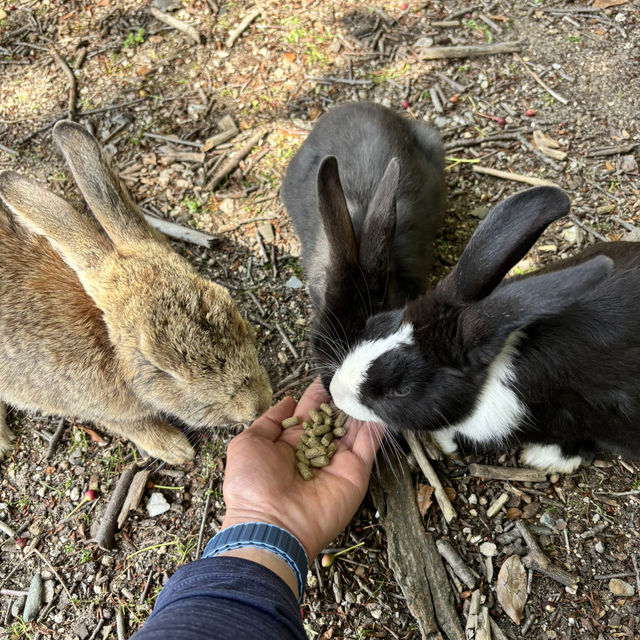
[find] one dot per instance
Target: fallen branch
(546, 87)
(237, 32)
(506, 473)
(107, 529)
(225, 228)
(448, 511)
(413, 557)
(468, 51)
(73, 83)
(538, 561)
(157, 136)
(178, 232)
(187, 29)
(228, 130)
(232, 163)
(472, 142)
(516, 177)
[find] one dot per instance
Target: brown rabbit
(101, 320)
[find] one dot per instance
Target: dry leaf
(451, 493)
(605, 4)
(423, 498)
(547, 145)
(511, 587)
(93, 435)
(541, 139)
(289, 57)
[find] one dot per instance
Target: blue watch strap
(263, 536)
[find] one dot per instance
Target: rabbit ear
(105, 195)
(501, 240)
(525, 300)
(75, 235)
(335, 216)
(379, 225)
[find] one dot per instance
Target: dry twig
(232, 163)
(506, 473)
(448, 511)
(53, 442)
(187, 29)
(457, 564)
(538, 561)
(178, 232)
(546, 87)
(516, 177)
(73, 83)
(107, 529)
(467, 51)
(237, 32)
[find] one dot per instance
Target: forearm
(224, 598)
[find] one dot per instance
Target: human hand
(262, 484)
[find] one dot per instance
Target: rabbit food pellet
(317, 445)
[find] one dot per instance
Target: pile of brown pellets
(317, 445)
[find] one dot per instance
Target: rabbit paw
(6, 436)
(170, 445)
(549, 457)
(157, 438)
(446, 440)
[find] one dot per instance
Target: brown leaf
(423, 498)
(289, 57)
(451, 493)
(513, 514)
(605, 4)
(511, 587)
(93, 435)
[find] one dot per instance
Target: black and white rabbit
(366, 196)
(550, 359)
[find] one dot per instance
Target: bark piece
(413, 557)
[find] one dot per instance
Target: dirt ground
(138, 78)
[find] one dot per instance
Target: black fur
(577, 356)
(367, 233)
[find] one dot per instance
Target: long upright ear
(335, 216)
(501, 240)
(74, 235)
(521, 302)
(105, 195)
(379, 224)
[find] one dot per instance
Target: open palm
(262, 484)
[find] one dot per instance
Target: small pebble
(34, 599)
(489, 549)
(18, 606)
(620, 587)
(599, 547)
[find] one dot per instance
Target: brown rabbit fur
(101, 320)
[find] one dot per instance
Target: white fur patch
(498, 411)
(346, 381)
(549, 457)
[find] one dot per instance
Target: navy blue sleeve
(224, 599)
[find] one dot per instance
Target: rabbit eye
(399, 392)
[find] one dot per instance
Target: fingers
(366, 440)
(314, 395)
(269, 425)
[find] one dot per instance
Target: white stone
(157, 504)
(620, 587)
(488, 549)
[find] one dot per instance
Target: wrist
(269, 560)
(267, 544)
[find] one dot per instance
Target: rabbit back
(51, 331)
(364, 138)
